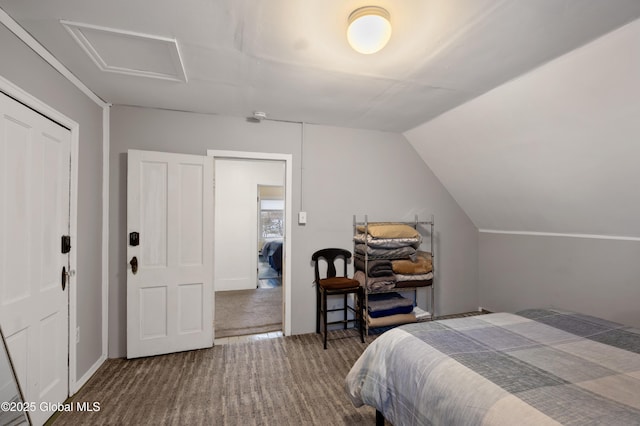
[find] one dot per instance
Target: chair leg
(317, 308)
(324, 311)
(322, 308)
(345, 311)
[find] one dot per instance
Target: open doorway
(270, 235)
(242, 306)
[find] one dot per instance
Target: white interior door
(170, 296)
(34, 214)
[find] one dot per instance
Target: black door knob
(134, 265)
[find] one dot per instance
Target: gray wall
(25, 69)
(343, 172)
(551, 152)
(599, 277)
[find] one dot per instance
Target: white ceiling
(290, 58)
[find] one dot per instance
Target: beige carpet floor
(242, 312)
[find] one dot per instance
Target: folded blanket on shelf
(389, 230)
(421, 314)
(380, 253)
(416, 277)
(385, 304)
(382, 301)
(387, 242)
(391, 320)
(375, 283)
(415, 283)
(422, 264)
(392, 311)
(377, 268)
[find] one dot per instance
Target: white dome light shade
(369, 29)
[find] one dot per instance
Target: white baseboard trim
(554, 234)
(84, 379)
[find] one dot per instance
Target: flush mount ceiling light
(369, 29)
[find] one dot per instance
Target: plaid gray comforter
(535, 367)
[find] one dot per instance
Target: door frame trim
(32, 102)
(288, 200)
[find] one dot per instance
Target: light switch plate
(302, 218)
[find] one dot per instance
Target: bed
(535, 367)
(272, 253)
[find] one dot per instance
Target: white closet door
(34, 215)
(170, 296)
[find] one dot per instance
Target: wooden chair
(332, 285)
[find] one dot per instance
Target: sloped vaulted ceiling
(291, 59)
(556, 150)
(552, 151)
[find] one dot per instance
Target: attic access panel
(129, 53)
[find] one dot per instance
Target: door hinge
(65, 244)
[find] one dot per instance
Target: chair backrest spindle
(331, 255)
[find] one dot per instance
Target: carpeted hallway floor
(242, 312)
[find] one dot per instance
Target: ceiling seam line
(48, 57)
